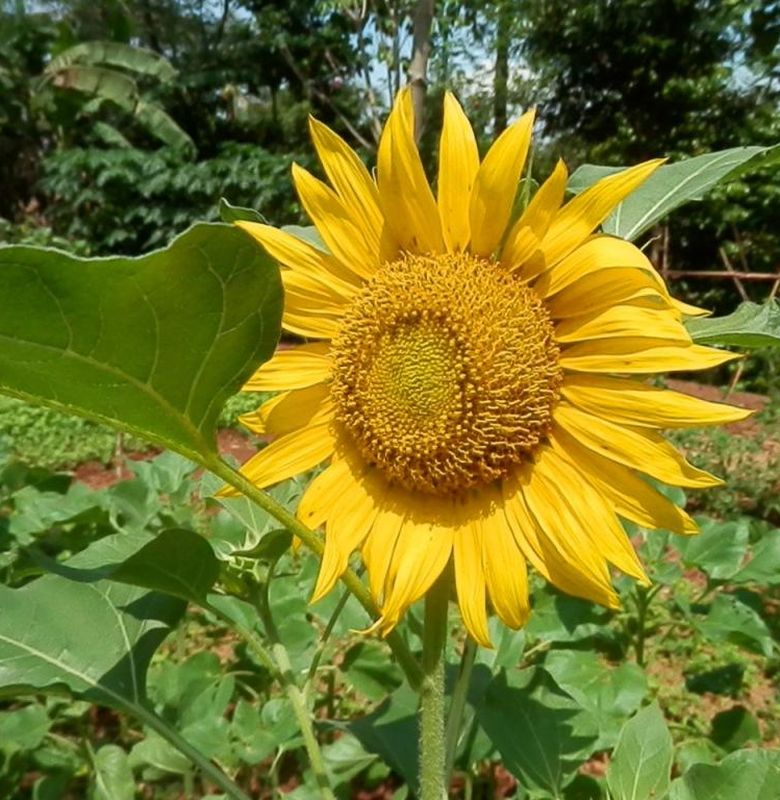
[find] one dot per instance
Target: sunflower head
(473, 381)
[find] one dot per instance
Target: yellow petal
(289, 411)
(290, 455)
(404, 193)
(317, 501)
(310, 325)
(622, 322)
(572, 563)
(421, 556)
(293, 368)
(379, 545)
(631, 497)
(495, 186)
(596, 254)
(468, 544)
(633, 403)
(605, 288)
(640, 356)
(690, 311)
(596, 515)
(347, 526)
(641, 449)
(300, 256)
(505, 571)
(351, 180)
(458, 166)
(527, 233)
(303, 294)
(580, 216)
(334, 224)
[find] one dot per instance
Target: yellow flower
(474, 384)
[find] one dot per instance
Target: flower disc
(446, 372)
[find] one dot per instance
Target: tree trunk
(418, 67)
(501, 76)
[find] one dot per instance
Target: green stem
(293, 691)
(214, 774)
(234, 478)
(298, 702)
(315, 662)
(458, 705)
(432, 748)
(642, 603)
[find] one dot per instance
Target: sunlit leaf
(642, 760)
(744, 775)
(751, 325)
(667, 188)
(153, 345)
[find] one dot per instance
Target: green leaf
(23, 729)
(744, 775)
(735, 728)
(114, 54)
(112, 776)
(642, 760)
(667, 188)
(611, 694)
(177, 562)
(391, 731)
(542, 734)
(764, 566)
(94, 639)
(751, 325)
(307, 234)
(365, 666)
(729, 619)
(229, 213)
(560, 618)
(154, 345)
(718, 550)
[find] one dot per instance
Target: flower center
(446, 372)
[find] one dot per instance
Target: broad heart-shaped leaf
(153, 345)
(764, 565)
(642, 760)
(751, 325)
(95, 639)
(666, 189)
(744, 775)
(729, 619)
(541, 733)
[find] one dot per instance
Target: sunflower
(473, 384)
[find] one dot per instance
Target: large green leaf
(669, 187)
(744, 775)
(153, 345)
(642, 760)
(751, 325)
(114, 54)
(542, 734)
(95, 639)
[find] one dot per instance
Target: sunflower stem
(231, 476)
(432, 741)
(458, 705)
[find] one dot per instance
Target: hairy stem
(432, 746)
